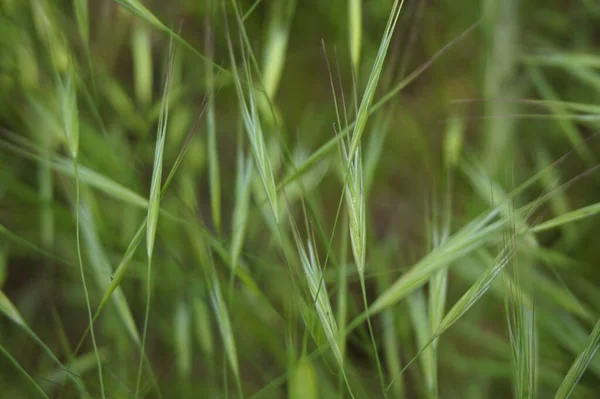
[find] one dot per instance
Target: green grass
(301, 199)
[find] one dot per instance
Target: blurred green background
(477, 177)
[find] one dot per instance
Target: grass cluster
(301, 199)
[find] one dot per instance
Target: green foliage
(426, 230)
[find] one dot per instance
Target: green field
(299, 199)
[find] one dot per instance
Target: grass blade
(242, 203)
(224, 323)
(69, 111)
(255, 134)
(213, 158)
(365, 105)
(103, 271)
(10, 310)
(23, 372)
(580, 365)
(154, 205)
(280, 20)
(355, 31)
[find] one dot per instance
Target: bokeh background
(479, 156)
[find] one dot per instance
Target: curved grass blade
(580, 365)
(25, 243)
(103, 271)
(86, 175)
(67, 98)
(213, 157)
(10, 310)
(569, 217)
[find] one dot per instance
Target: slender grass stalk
(30, 246)
(391, 344)
(223, 321)
(242, 202)
(154, 205)
(438, 286)
(342, 285)
(580, 365)
(365, 105)
(24, 372)
(70, 117)
(83, 24)
(354, 194)
(417, 306)
(83, 281)
(342, 292)
(46, 188)
(251, 9)
(355, 31)
(3, 260)
(213, 157)
(440, 231)
(500, 78)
